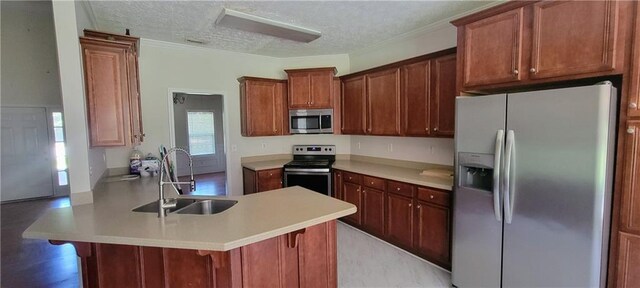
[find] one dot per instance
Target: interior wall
(167, 66)
(29, 67)
(201, 163)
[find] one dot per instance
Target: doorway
(198, 128)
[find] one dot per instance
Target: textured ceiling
(346, 26)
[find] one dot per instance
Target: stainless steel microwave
(311, 121)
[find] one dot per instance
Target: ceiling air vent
(196, 41)
(246, 22)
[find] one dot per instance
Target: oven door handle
(307, 170)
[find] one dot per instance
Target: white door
(26, 154)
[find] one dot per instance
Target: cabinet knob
(371, 182)
(533, 70)
(426, 129)
(633, 105)
(338, 175)
(410, 204)
(311, 102)
(435, 129)
(630, 130)
(270, 174)
(349, 177)
(398, 188)
(516, 72)
(430, 196)
(419, 206)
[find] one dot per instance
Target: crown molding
(422, 30)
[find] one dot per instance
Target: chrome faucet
(164, 204)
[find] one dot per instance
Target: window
(60, 149)
(201, 133)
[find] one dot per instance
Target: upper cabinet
(112, 89)
(311, 88)
(415, 97)
(533, 42)
(263, 106)
(634, 90)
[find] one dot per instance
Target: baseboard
(117, 171)
(81, 198)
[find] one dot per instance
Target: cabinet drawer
(351, 177)
(400, 188)
(267, 174)
(372, 182)
(434, 196)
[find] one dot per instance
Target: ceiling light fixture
(246, 22)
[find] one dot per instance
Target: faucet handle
(193, 185)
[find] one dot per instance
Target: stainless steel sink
(153, 206)
(207, 207)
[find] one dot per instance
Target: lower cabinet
(417, 219)
(628, 260)
(261, 180)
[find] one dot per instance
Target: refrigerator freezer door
(477, 233)
(560, 187)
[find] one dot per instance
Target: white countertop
(264, 165)
(400, 174)
(254, 218)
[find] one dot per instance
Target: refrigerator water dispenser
(475, 171)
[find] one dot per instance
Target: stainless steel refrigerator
(533, 188)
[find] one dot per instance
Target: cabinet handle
(410, 204)
(349, 177)
(516, 72)
(419, 206)
(398, 188)
(358, 189)
(426, 129)
(338, 175)
(435, 129)
(533, 70)
(630, 130)
(430, 196)
(311, 102)
(371, 183)
(270, 174)
(633, 105)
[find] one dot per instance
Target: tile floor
(366, 261)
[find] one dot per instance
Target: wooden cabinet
(311, 88)
(534, 42)
(628, 261)
(492, 49)
(261, 180)
(416, 100)
(630, 208)
(443, 96)
(112, 91)
(399, 220)
(414, 97)
(262, 107)
(417, 219)
(373, 210)
(634, 76)
(337, 185)
(353, 106)
(352, 193)
(383, 102)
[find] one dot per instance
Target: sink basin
(207, 207)
(153, 206)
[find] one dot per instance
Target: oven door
(316, 181)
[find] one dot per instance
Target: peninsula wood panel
(353, 106)
(185, 268)
(261, 263)
(443, 97)
(416, 92)
(580, 44)
(118, 260)
(107, 91)
(383, 103)
(630, 209)
(492, 49)
(628, 261)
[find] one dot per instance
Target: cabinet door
(433, 233)
(264, 107)
(415, 99)
(353, 102)
(137, 135)
(383, 103)
(629, 261)
(573, 37)
(352, 194)
(493, 49)
(337, 184)
(107, 88)
(269, 180)
(299, 90)
(634, 88)
(321, 89)
(630, 212)
(373, 211)
(443, 97)
(400, 220)
(249, 181)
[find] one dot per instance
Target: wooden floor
(208, 184)
(28, 262)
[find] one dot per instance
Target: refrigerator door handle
(496, 175)
(508, 187)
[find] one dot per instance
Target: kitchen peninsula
(284, 237)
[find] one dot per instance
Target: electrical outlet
(90, 170)
(431, 150)
(358, 145)
(264, 145)
(104, 157)
(390, 147)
